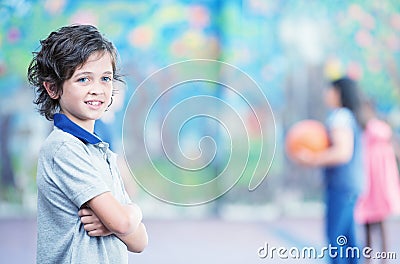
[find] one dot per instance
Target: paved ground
(200, 241)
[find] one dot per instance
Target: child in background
(342, 164)
(381, 197)
(84, 212)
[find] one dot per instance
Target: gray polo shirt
(75, 166)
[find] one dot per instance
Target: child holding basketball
(84, 212)
(342, 163)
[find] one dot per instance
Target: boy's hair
(61, 53)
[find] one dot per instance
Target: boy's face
(87, 94)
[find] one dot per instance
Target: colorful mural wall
(291, 48)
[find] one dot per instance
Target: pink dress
(381, 197)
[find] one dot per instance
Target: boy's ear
(51, 90)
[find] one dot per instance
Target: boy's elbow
(141, 240)
(139, 248)
(125, 225)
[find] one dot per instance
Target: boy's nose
(96, 89)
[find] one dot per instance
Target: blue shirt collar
(65, 124)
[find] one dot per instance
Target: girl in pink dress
(381, 197)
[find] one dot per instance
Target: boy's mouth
(94, 102)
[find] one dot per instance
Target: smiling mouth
(94, 103)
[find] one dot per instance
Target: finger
(99, 232)
(89, 219)
(85, 220)
(91, 227)
(85, 211)
(80, 213)
(94, 233)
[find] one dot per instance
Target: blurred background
(290, 48)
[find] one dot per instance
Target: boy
(84, 212)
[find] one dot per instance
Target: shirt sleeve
(342, 118)
(75, 174)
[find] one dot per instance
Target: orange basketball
(309, 134)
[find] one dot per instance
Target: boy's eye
(107, 79)
(83, 79)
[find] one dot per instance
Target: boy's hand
(92, 224)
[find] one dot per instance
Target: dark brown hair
(350, 95)
(61, 53)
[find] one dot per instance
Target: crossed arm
(104, 215)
